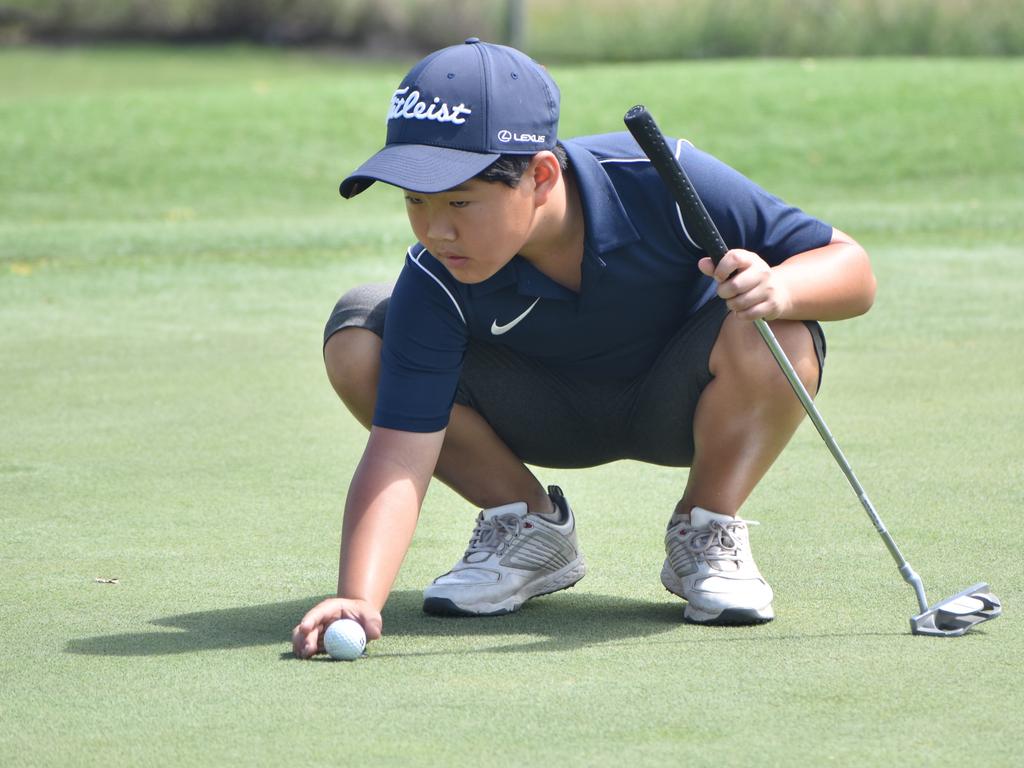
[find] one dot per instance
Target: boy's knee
(352, 359)
(742, 352)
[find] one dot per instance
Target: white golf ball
(345, 640)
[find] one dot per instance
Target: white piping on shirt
(679, 213)
(416, 260)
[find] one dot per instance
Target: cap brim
(418, 168)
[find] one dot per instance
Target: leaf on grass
(101, 580)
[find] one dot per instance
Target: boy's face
(475, 228)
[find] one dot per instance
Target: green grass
(171, 242)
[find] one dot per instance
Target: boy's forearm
(834, 282)
(381, 511)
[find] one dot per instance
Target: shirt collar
(608, 225)
(607, 228)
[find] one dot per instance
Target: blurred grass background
(217, 150)
(551, 30)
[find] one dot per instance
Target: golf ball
(345, 640)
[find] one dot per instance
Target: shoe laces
(494, 534)
(718, 544)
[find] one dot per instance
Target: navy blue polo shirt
(640, 282)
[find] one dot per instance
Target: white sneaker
(512, 556)
(709, 565)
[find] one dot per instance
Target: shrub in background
(373, 24)
(567, 30)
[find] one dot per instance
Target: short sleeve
(749, 217)
(424, 345)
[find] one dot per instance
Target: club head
(955, 615)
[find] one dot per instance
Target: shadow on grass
(555, 623)
(562, 622)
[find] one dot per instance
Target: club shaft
(819, 423)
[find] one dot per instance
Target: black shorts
(553, 420)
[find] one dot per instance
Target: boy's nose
(440, 229)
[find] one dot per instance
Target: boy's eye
(459, 203)
(413, 200)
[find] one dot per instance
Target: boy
(555, 311)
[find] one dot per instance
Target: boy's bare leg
(747, 414)
(474, 461)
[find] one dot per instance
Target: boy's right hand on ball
(308, 635)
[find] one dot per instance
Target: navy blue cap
(456, 112)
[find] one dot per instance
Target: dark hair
(509, 169)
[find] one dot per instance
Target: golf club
(947, 618)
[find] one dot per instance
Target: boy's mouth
(452, 259)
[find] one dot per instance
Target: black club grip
(647, 134)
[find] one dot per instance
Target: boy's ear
(545, 171)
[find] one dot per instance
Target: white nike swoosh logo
(497, 330)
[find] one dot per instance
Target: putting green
(173, 462)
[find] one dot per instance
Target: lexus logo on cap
(507, 136)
